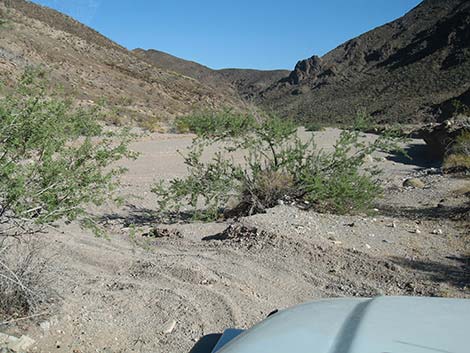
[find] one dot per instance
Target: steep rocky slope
(92, 68)
(246, 82)
(395, 71)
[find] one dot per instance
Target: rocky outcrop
(441, 138)
(305, 69)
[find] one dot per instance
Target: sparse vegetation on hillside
(278, 165)
(460, 108)
(54, 161)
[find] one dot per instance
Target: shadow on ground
(456, 273)
(417, 155)
(459, 213)
(141, 216)
(206, 343)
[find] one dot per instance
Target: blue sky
(260, 34)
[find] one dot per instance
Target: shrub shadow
(141, 216)
(460, 212)
(457, 274)
(218, 236)
(416, 154)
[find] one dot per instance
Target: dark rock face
(452, 107)
(305, 69)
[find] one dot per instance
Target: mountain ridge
(92, 68)
(397, 72)
(246, 82)
(391, 70)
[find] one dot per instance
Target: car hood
(379, 325)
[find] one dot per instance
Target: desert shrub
(270, 186)
(24, 279)
(55, 160)
(458, 155)
(3, 19)
(277, 165)
(151, 124)
(313, 126)
(125, 101)
(460, 108)
(216, 123)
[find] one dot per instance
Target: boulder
(414, 183)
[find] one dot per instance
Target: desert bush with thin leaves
(55, 161)
(277, 165)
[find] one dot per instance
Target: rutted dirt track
(143, 294)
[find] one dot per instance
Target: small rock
(368, 246)
(169, 326)
(417, 231)
(414, 183)
(437, 231)
(368, 159)
(337, 242)
(45, 326)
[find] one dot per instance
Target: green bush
(218, 123)
(313, 126)
(278, 165)
(54, 158)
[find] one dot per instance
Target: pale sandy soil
(124, 294)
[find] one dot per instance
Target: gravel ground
(148, 294)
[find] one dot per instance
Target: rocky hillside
(396, 72)
(404, 71)
(92, 67)
(248, 83)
